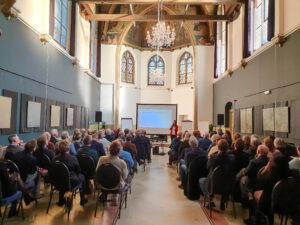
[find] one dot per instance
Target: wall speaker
(98, 117)
(220, 119)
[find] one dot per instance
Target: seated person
(27, 164)
(148, 144)
(76, 140)
(276, 169)
(42, 149)
(113, 158)
(97, 146)
(173, 153)
(205, 142)
(247, 176)
(241, 158)
(65, 136)
(50, 145)
(213, 147)
(13, 147)
(54, 136)
(76, 178)
(87, 149)
(254, 143)
(126, 156)
(183, 146)
(191, 154)
(8, 187)
(101, 137)
(130, 147)
(141, 146)
(294, 164)
(222, 159)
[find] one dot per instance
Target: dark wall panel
(258, 120)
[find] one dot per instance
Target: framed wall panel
(77, 116)
(34, 110)
(249, 121)
(61, 113)
(268, 119)
(55, 116)
(24, 113)
(282, 119)
(13, 122)
(237, 121)
(48, 111)
(5, 112)
(42, 127)
(243, 117)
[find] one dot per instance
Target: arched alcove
(228, 111)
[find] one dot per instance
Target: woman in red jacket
(173, 130)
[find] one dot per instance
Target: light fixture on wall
(161, 35)
(45, 38)
(267, 92)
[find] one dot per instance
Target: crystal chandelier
(161, 35)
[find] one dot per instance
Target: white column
(204, 72)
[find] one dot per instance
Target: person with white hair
(191, 153)
(54, 136)
(204, 142)
(65, 136)
(101, 137)
(214, 148)
(13, 147)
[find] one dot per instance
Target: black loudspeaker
(220, 119)
(98, 117)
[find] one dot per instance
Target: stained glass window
(156, 71)
(127, 68)
(185, 74)
(60, 22)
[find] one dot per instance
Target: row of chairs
(107, 180)
(285, 194)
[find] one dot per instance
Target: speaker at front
(98, 117)
(220, 119)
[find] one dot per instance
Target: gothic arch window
(156, 71)
(185, 72)
(127, 68)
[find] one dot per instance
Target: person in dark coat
(87, 149)
(148, 143)
(42, 149)
(13, 147)
(28, 166)
(205, 142)
(241, 158)
(183, 146)
(76, 178)
(222, 159)
(173, 153)
(97, 146)
(141, 146)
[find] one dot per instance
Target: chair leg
(210, 207)
(50, 199)
(281, 219)
(286, 219)
(233, 207)
(96, 208)
(3, 216)
(120, 204)
(126, 200)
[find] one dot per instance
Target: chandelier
(161, 35)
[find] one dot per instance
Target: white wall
(291, 15)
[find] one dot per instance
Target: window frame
(152, 58)
(185, 74)
(128, 55)
(65, 26)
(93, 46)
(221, 49)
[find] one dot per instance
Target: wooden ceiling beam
(142, 2)
(153, 18)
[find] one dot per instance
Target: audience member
(241, 158)
(97, 146)
(213, 149)
(50, 145)
(54, 136)
(13, 147)
(269, 142)
(174, 148)
(141, 146)
(113, 159)
(183, 146)
(42, 149)
(109, 135)
(205, 142)
(106, 143)
(254, 143)
(227, 136)
(247, 143)
(76, 178)
(148, 143)
(87, 149)
(27, 165)
(130, 147)
(294, 164)
(197, 134)
(126, 156)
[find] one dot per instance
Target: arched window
(127, 68)
(156, 71)
(185, 73)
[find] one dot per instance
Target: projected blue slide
(155, 118)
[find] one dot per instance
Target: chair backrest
(285, 196)
(59, 176)
(44, 161)
(87, 165)
(108, 176)
(222, 181)
(13, 166)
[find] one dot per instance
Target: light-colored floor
(156, 199)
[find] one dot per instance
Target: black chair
(197, 169)
(108, 178)
(44, 161)
(87, 166)
(285, 198)
(59, 177)
(220, 182)
(18, 196)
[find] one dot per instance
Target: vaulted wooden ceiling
(193, 20)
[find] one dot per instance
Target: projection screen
(156, 118)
